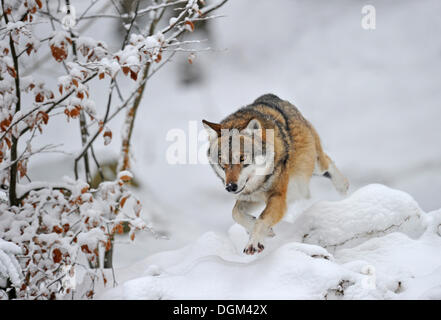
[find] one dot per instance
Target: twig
(13, 172)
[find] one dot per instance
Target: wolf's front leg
(241, 214)
(273, 213)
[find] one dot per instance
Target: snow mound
(371, 211)
(212, 269)
(376, 244)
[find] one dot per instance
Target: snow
(396, 256)
(9, 267)
(14, 25)
(372, 210)
(172, 20)
(58, 38)
(125, 173)
(24, 189)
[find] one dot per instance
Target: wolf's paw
(252, 248)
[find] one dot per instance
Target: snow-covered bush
(66, 226)
(10, 269)
(67, 223)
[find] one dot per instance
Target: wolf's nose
(231, 187)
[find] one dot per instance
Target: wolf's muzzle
(231, 187)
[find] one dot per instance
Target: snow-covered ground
(374, 98)
(376, 244)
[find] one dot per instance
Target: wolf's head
(242, 158)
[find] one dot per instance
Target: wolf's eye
(242, 158)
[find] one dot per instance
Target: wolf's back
(288, 110)
(268, 98)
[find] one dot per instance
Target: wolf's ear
(254, 124)
(213, 129)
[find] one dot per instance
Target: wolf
(267, 152)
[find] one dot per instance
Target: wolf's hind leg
(241, 215)
(338, 179)
(326, 167)
(302, 170)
